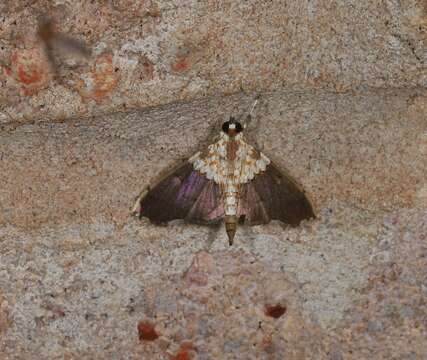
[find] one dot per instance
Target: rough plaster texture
(81, 279)
(153, 52)
(343, 109)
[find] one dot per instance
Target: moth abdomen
(230, 227)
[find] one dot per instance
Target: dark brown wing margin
(273, 195)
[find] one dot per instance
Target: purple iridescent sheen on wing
(184, 194)
(208, 208)
(189, 186)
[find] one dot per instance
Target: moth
(229, 181)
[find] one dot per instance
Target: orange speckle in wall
(100, 80)
(184, 351)
(29, 69)
(182, 63)
(146, 331)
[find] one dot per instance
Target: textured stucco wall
(79, 274)
(154, 52)
(343, 108)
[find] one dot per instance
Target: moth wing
(208, 208)
(183, 194)
(273, 195)
(251, 208)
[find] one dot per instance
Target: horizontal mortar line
(90, 119)
(95, 118)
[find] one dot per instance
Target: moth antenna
(248, 120)
(253, 106)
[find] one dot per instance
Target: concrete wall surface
(342, 108)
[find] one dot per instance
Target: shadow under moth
(230, 181)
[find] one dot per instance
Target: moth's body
(230, 181)
(230, 162)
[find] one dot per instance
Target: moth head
(232, 127)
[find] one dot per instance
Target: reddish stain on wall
(146, 331)
(29, 69)
(100, 80)
(274, 311)
(181, 64)
(184, 352)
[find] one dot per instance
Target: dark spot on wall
(274, 311)
(146, 331)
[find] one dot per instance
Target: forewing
(183, 194)
(277, 197)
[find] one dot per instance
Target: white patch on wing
(217, 167)
(230, 174)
